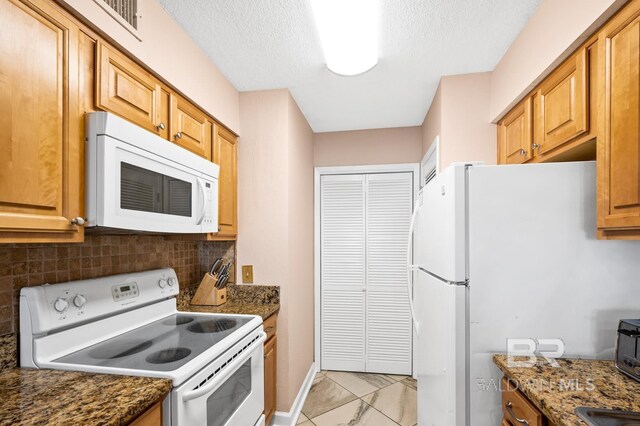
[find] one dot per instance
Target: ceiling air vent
(126, 12)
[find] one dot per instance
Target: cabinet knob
(178, 135)
(160, 126)
(78, 221)
(535, 146)
(219, 228)
(523, 152)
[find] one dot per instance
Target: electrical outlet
(247, 274)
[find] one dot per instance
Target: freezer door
(440, 237)
(441, 358)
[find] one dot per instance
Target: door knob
(535, 146)
(160, 126)
(523, 152)
(78, 221)
(178, 135)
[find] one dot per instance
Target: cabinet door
(225, 154)
(190, 127)
(40, 144)
(561, 105)
(126, 89)
(619, 140)
(514, 135)
(270, 375)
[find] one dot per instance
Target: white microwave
(138, 181)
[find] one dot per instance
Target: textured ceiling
(269, 44)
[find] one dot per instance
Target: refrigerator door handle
(411, 268)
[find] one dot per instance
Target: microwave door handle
(203, 196)
(228, 370)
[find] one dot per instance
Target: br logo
(526, 353)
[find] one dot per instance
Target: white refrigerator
(510, 252)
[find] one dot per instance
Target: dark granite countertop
(558, 391)
(55, 397)
(263, 300)
(264, 310)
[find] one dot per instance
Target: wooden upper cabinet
(190, 127)
(619, 137)
(40, 145)
(225, 154)
(561, 105)
(126, 89)
(515, 135)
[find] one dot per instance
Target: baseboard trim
(282, 418)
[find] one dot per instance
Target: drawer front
(269, 325)
(517, 409)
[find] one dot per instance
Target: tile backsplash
(24, 265)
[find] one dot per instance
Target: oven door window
(149, 191)
(226, 400)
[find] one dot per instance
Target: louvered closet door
(389, 202)
(342, 272)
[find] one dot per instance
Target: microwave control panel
(208, 213)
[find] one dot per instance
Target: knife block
(207, 294)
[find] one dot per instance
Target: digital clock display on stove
(124, 291)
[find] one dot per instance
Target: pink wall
(275, 222)
(366, 147)
(300, 258)
(555, 29)
(459, 115)
(432, 125)
(172, 54)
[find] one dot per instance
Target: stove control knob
(79, 300)
(172, 281)
(60, 305)
(162, 283)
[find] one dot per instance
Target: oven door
(227, 392)
(142, 191)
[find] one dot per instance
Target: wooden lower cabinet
(151, 417)
(40, 145)
(619, 138)
(270, 368)
(517, 409)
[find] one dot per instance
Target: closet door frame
(413, 168)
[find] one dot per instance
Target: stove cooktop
(163, 345)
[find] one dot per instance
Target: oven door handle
(229, 369)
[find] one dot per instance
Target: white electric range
(129, 325)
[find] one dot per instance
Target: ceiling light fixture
(348, 33)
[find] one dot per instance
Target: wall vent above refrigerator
(430, 164)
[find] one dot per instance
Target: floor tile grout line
(408, 387)
(347, 390)
(324, 375)
(363, 380)
(374, 408)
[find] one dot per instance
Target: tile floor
(356, 399)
